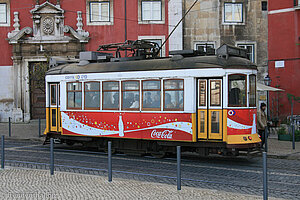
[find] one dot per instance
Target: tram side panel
(241, 127)
(150, 126)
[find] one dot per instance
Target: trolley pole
(265, 175)
(9, 127)
(51, 156)
(109, 162)
(2, 152)
(178, 168)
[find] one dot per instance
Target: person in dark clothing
(262, 122)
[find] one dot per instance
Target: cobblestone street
(39, 184)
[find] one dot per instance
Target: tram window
(130, 95)
(110, 95)
(215, 93)
(252, 90)
(74, 95)
(237, 90)
(92, 95)
(202, 93)
(53, 95)
(151, 95)
(173, 95)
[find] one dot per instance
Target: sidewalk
(18, 183)
(29, 131)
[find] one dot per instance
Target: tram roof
(173, 63)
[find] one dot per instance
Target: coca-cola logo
(166, 134)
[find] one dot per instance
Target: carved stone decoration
(78, 36)
(79, 25)
(16, 26)
(48, 25)
(20, 34)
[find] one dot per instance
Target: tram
(204, 102)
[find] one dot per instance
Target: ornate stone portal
(48, 36)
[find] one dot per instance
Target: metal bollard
(178, 168)
(266, 139)
(265, 174)
(2, 152)
(9, 127)
(39, 127)
(51, 156)
(109, 162)
(293, 135)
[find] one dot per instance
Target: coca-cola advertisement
(155, 126)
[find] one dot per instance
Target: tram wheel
(159, 154)
(70, 143)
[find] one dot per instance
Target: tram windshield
(237, 90)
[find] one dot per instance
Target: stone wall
(6, 92)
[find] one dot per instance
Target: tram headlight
(249, 137)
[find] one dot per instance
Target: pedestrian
(262, 122)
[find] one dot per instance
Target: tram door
(210, 109)
(54, 110)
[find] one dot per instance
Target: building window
(233, 12)
(92, 95)
(204, 46)
(110, 97)
(3, 13)
(99, 11)
(250, 50)
(157, 39)
(173, 94)
(151, 95)
(130, 95)
(237, 90)
(74, 95)
(264, 6)
(151, 10)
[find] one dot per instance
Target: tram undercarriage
(156, 148)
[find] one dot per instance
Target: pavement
(20, 183)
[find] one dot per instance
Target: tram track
(228, 174)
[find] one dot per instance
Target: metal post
(292, 123)
(51, 156)
(109, 162)
(178, 168)
(266, 139)
(2, 152)
(265, 174)
(39, 127)
(9, 127)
